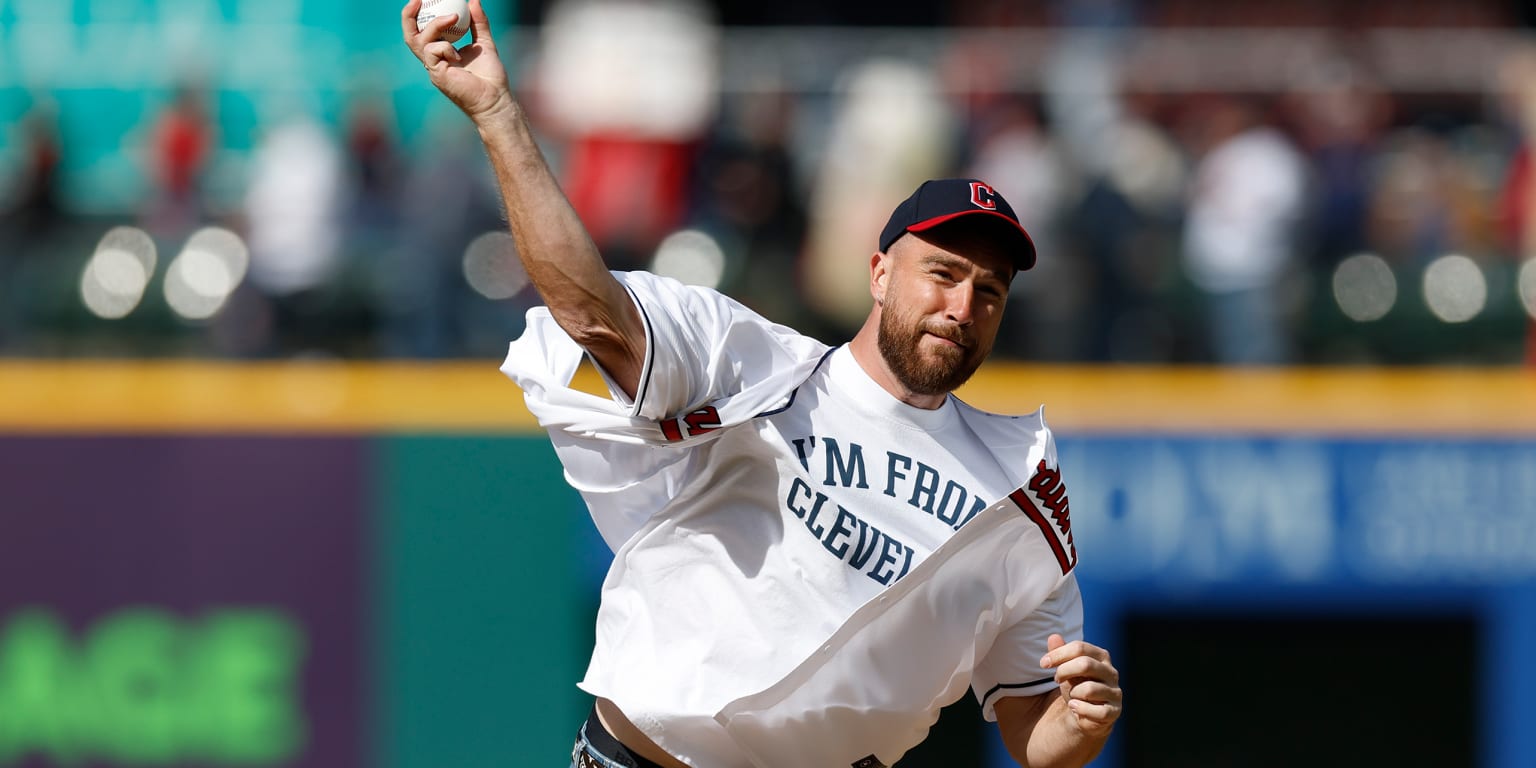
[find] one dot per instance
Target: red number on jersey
(706, 419)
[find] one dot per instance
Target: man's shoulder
(999, 429)
(704, 306)
(652, 286)
(1034, 420)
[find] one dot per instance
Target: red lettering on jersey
(1047, 487)
(1052, 493)
(671, 429)
(983, 196)
(706, 419)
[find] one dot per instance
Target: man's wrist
(502, 116)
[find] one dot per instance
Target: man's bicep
(598, 312)
(695, 348)
(623, 362)
(621, 347)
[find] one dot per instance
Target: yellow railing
(472, 396)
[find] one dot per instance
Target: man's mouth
(955, 341)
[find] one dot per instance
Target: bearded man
(815, 549)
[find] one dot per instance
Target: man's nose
(962, 301)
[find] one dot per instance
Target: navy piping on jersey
(796, 391)
(1001, 686)
(650, 352)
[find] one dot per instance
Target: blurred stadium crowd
(1278, 183)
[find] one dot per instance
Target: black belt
(606, 745)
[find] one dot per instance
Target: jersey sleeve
(1012, 666)
(704, 347)
(628, 458)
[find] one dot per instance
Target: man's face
(944, 292)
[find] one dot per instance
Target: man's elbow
(618, 353)
(593, 333)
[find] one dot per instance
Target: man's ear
(879, 273)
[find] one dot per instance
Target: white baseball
(431, 9)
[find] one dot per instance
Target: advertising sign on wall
(172, 601)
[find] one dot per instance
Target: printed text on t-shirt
(852, 539)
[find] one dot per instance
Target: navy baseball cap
(943, 200)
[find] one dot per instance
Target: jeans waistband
(603, 743)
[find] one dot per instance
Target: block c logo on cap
(983, 196)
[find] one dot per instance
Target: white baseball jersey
(805, 569)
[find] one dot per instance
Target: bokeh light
(692, 257)
(114, 279)
(205, 273)
(1364, 287)
(1455, 289)
(1527, 286)
(492, 267)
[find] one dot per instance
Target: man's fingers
(435, 28)
(1100, 714)
(438, 51)
(419, 40)
(442, 50)
(1094, 693)
(480, 26)
(1096, 705)
(1086, 668)
(408, 20)
(1074, 649)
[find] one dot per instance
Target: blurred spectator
(448, 198)
(374, 168)
(293, 217)
(181, 143)
(890, 131)
(33, 214)
(1410, 208)
(1240, 234)
(1015, 153)
(1127, 224)
(1121, 223)
(631, 85)
(1517, 91)
(35, 207)
(373, 196)
(1340, 113)
(749, 198)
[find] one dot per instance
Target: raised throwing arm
(561, 260)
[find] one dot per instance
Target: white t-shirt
(1249, 192)
(788, 585)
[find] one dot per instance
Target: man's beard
(937, 375)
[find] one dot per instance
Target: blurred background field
(265, 500)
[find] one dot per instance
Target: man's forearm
(1056, 743)
(561, 260)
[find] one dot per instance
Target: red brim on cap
(1023, 261)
